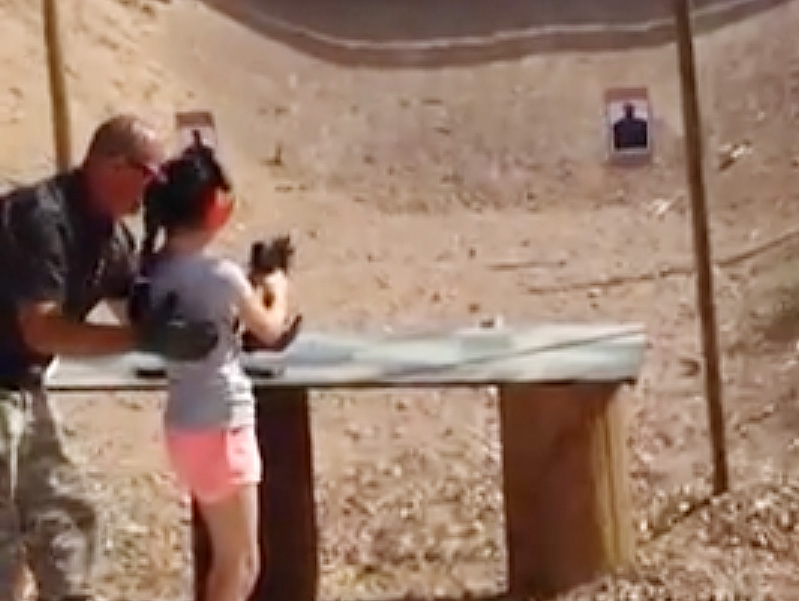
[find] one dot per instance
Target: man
(630, 132)
(63, 249)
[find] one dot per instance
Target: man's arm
(47, 331)
(41, 290)
(118, 310)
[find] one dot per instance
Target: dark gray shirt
(55, 246)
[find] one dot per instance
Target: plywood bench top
(466, 357)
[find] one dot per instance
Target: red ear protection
(219, 206)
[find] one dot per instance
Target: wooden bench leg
(566, 492)
(288, 513)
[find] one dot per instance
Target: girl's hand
(273, 288)
(264, 313)
(291, 329)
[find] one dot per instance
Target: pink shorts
(214, 463)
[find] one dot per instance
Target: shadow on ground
(439, 33)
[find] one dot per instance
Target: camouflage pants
(44, 511)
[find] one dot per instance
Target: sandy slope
(484, 163)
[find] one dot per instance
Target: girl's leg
(222, 468)
(233, 529)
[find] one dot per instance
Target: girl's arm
(268, 324)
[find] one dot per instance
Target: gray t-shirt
(214, 392)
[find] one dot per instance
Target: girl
(210, 410)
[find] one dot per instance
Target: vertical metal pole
(62, 134)
(704, 264)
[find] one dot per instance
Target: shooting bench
(565, 474)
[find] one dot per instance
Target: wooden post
(567, 508)
(62, 133)
(704, 261)
(288, 514)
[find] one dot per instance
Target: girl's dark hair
(181, 197)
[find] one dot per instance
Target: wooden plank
(59, 96)
(289, 555)
(568, 515)
(706, 304)
(470, 357)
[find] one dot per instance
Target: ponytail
(140, 299)
(152, 227)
